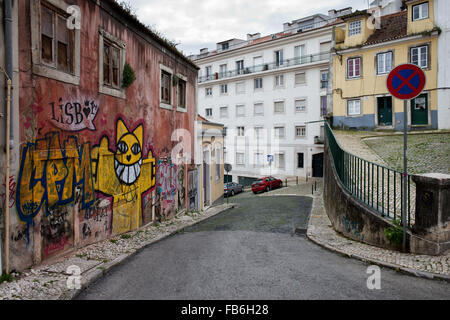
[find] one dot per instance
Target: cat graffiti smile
(128, 156)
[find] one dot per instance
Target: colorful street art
(49, 174)
(53, 175)
(167, 186)
(124, 174)
(73, 116)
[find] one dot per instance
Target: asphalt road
(250, 252)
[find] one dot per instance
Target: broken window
(57, 41)
(111, 65)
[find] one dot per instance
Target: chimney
(253, 36)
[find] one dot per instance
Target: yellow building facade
(366, 50)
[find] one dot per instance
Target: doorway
(419, 110)
(384, 111)
(317, 165)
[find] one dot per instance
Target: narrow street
(251, 252)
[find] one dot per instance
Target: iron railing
(267, 66)
(377, 187)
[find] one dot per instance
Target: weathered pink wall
(82, 214)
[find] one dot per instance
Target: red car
(266, 184)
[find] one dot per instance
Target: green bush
(6, 277)
(128, 76)
(394, 234)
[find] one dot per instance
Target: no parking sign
(406, 81)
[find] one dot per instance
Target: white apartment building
(270, 92)
(442, 20)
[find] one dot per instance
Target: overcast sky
(196, 24)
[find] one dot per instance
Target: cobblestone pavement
(320, 231)
(426, 153)
(49, 281)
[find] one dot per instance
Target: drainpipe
(8, 125)
(9, 129)
(9, 54)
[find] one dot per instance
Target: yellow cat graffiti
(124, 175)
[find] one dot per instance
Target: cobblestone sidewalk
(49, 281)
(321, 232)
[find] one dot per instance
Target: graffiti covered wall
(91, 164)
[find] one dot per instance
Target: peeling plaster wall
(93, 165)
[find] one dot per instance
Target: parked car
(232, 188)
(266, 184)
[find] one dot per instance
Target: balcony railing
(267, 67)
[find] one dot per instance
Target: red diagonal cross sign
(406, 82)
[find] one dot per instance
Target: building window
(258, 159)
(300, 105)
(354, 28)
(279, 80)
(258, 109)
(279, 58)
(300, 131)
(258, 63)
(225, 134)
(239, 158)
(258, 132)
(225, 46)
(324, 79)
(208, 72)
(279, 160)
(419, 56)
(353, 68)
(240, 110)
(57, 41)
(258, 83)
(240, 87)
(300, 160)
(300, 54)
(208, 91)
(279, 107)
(111, 61)
(224, 112)
(300, 78)
(353, 107)
(279, 132)
(323, 106)
(166, 87)
(56, 48)
(218, 152)
(240, 131)
(223, 88)
(223, 70)
(240, 67)
(384, 62)
(181, 93)
(420, 11)
(208, 112)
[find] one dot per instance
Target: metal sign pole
(405, 169)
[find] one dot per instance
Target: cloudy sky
(196, 24)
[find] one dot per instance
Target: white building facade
(442, 20)
(271, 94)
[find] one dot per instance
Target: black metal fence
(377, 187)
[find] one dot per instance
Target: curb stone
(49, 281)
(396, 267)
